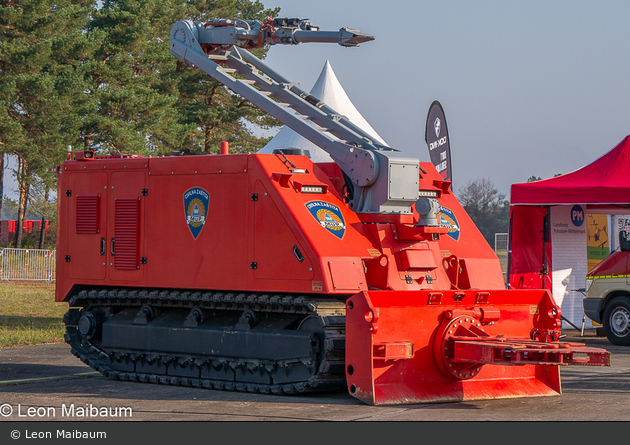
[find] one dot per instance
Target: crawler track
(297, 343)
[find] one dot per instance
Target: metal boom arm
(384, 179)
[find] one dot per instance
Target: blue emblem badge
(196, 207)
(446, 218)
(329, 216)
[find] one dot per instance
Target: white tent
(329, 90)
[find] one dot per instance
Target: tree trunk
(42, 232)
(1, 182)
(24, 186)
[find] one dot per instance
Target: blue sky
(528, 87)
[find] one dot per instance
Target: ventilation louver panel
(126, 233)
(87, 214)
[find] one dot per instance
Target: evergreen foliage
(99, 76)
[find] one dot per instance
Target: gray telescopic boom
(384, 179)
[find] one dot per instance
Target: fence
(27, 265)
(501, 250)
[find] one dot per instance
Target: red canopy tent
(605, 183)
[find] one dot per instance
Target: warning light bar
(310, 188)
(428, 194)
(313, 189)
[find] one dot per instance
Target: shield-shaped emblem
(446, 218)
(328, 216)
(196, 202)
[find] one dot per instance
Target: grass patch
(29, 315)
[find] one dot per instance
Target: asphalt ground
(36, 382)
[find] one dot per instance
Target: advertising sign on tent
(597, 248)
(436, 137)
(568, 242)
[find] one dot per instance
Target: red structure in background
(602, 184)
(8, 228)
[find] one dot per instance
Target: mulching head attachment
(421, 347)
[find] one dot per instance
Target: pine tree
(100, 76)
(213, 113)
(42, 44)
(145, 101)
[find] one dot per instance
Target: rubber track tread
(331, 374)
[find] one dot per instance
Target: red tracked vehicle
(269, 273)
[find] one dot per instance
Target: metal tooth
(287, 300)
(143, 378)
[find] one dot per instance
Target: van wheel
(616, 321)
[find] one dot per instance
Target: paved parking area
(36, 382)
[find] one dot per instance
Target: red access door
(84, 252)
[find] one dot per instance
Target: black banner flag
(436, 137)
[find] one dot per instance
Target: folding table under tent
(547, 229)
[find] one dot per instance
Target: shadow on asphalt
(83, 382)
